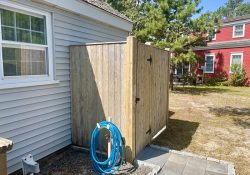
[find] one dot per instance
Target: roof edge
(115, 12)
(93, 12)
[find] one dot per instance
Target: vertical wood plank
(129, 96)
(105, 81)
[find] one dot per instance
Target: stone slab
(174, 162)
(153, 156)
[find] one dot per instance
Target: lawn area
(211, 121)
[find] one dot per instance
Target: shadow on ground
(241, 116)
(197, 90)
(178, 134)
(229, 110)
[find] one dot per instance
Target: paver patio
(180, 163)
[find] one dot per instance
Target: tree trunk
(172, 77)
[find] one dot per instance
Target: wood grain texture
(107, 78)
(95, 88)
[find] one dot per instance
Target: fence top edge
(100, 43)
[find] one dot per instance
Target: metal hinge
(150, 59)
(137, 100)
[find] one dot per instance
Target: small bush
(225, 83)
(215, 81)
(238, 76)
(189, 78)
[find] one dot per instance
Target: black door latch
(150, 59)
(136, 100)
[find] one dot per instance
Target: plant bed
(74, 162)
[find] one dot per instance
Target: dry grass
(211, 121)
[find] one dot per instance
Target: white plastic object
(98, 125)
(29, 165)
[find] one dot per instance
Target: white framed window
(238, 30)
(209, 63)
(236, 59)
(26, 53)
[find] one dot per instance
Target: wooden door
(143, 97)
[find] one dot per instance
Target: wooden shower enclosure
(127, 81)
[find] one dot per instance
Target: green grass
(213, 121)
(199, 90)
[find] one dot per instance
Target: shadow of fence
(178, 135)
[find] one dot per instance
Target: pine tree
(170, 23)
(234, 8)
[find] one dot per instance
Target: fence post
(5, 145)
(129, 97)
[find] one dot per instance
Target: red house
(230, 45)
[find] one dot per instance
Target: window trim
(213, 39)
(243, 34)
(231, 57)
(49, 47)
(206, 55)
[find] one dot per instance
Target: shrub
(189, 78)
(215, 81)
(225, 83)
(238, 76)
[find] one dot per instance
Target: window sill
(238, 36)
(28, 84)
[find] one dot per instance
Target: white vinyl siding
(238, 30)
(37, 118)
(209, 63)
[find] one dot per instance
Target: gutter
(225, 45)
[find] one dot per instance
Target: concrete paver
(154, 156)
(216, 167)
(179, 163)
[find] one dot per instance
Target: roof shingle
(238, 18)
(106, 7)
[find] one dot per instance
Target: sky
(213, 5)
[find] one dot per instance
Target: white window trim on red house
(206, 55)
(214, 38)
(28, 80)
(243, 34)
(231, 56)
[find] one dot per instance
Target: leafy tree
(170, 23)
(132, 9)
(234, 8)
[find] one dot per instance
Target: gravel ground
(72, 162)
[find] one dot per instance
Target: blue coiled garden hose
(109, 165)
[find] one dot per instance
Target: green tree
(170, 23)
(234, 8)
(132, 9)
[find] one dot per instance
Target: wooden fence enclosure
(127, 81)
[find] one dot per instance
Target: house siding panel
(37, 118)
(226, 34)
(222, 59)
